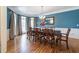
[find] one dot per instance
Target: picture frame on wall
(50, 20)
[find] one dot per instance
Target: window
(32, 22)
(23, 23)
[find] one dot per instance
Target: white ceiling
(36, 10)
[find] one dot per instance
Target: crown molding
(59, 11)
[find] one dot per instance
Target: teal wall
(62, 20)
(68, 19)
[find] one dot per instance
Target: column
(3, 28)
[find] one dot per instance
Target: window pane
(23, 20)
(32, 22)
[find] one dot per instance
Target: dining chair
(64, 37)
(43, 36)
(50, 37)
(36, 34)
(29, 33)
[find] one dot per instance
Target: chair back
(45, 31)
(68, 31)
(51, 31)
(30, 29)
(36, 29)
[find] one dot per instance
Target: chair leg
(60, 42)
(44, 41)
(56, 42)
(51, 43)
(28, 37)
(67, 45)
(34, 39)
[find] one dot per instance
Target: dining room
(42, 29)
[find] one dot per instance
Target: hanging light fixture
(42, 10)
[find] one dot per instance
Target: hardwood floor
(23, 45)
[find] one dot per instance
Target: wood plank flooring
(23, 45)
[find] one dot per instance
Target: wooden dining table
(57, 33)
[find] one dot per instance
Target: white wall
(3, 29)
(74, 33)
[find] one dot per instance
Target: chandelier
(42, 10)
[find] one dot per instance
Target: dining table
(57, 33)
